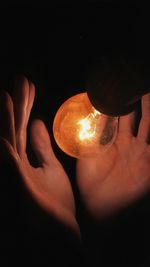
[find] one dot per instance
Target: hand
(47, 184)
(121, 175)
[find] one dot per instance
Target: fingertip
(32, 86)
(146, 105)
(6, 103)
(37, 124)
(20, 79)
(4, 95)
(21, 90)
(146, 102)
(146, 96)
(31, 95)
(144, 126)
(39, 133)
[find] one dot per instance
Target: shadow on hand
(120, 240)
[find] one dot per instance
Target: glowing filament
(87, 127)
(86, 131)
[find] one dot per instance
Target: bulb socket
(115, 88)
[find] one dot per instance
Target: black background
(55, 46)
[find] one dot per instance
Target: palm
(48, 184)
(50, 187)
(121, 175)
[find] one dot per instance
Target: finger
(7, 127)
(21, 100)
(127, 124)
(41, 144)
(30, 100)
(144, 126)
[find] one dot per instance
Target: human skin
(48, 185)
(120, 176)
(106, 183)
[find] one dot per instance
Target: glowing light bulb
(82, 131)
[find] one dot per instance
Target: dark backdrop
(55, 46)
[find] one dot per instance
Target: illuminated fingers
(144, 126)
(23, 100)
(7, 127)
(30, 100)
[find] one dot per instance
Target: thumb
(41, 143)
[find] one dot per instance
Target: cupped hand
(121, 175)
(48, 184)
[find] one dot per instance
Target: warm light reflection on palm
(120, 176)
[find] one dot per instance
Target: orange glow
(82, 131)
(85, 132)
(88, 128)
